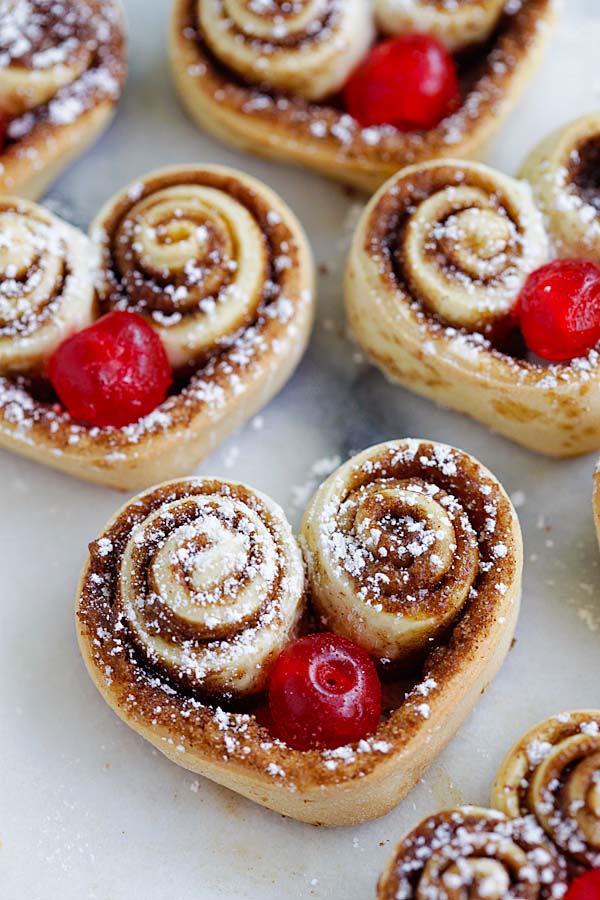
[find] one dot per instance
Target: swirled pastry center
(45, 284)
(210, 589)
(487, 866)
(461, 252)
(305, 47)
(565, 793)
(43, 47)
(32, 267)
(196, 261)
(474, 854)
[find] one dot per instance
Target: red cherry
(324, 692)
(585, 888)
(409, 81)
(113, 372)
(560, 309)
(3, 128)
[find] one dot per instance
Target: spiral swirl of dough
(553, 773)
(44, 46)
(471, 854)
(457, 238)
(209, 584)
(307, 48)
(457, 24)
(45, 284)
(563, 171)
(196, 251)
(390, 547)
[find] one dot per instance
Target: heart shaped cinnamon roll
(439, 265)
(216, 264)
(194, 587)
(267, 77)
(62, 70)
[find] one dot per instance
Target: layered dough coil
(435, 270)
(265, 76)
(193, 587)
(46, 287)
(563, 172)
(188, 250)
(553, 774)
(470, 853)
(400, 540)
(201, 581)
(308, 47)
(214, 261)
(457, 25)
(62, 68)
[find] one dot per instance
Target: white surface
(89, 810)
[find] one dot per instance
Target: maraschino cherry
(324, 692)
(410, 82)
(3, 128)
(560, 309)
(585, 888)
(113, 372)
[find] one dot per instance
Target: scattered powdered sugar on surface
(320, 469)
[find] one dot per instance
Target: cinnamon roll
(553, 774)
(264, 77)
(62, 69)
(221, 268)
(308, 48)
(473, 852)
(203, 586)
(401, 539)
(457, 25)
(45, 284)
(195, 586)
(433, 278)
(563, 171)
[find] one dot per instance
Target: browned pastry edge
(279, 126)
(315, 787)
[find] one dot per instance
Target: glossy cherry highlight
(113, 372)
(585, 888)
(560, 309)
(410, 82)
(324, 692)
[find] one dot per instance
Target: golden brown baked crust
(357, 782)
(473, 852)
(238, 366)
(553, 774)
(62, 70)
(319, 135)
(438, 260)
